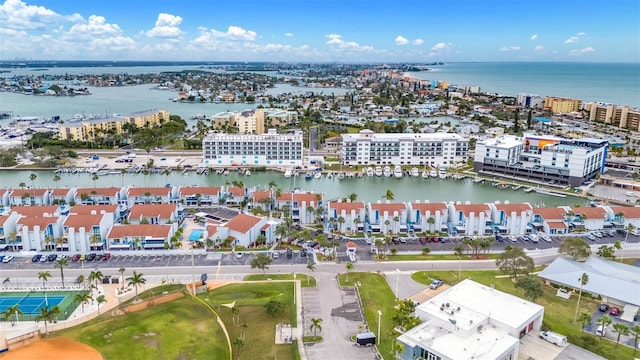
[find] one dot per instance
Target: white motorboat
(397, 172)
(378, 171)
(369, 171)
(442, 173)
(340, 176)
(433, 173)
(387, 171)
(317, 175)
(247, 172)
(288, 173)
(425, 174)
(415, 172)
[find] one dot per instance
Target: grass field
(259, 332)
(418, 257)
(375, 295)
(558, 312)
(179, 329)
(305, 280)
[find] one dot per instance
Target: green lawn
(179, 329)
(311, 339)
(260, 327)
(419, 257)
(305, 280)
(558, 312)
(376, 295)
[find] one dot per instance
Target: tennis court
(31, 302)
(30, 305)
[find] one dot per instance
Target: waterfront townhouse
(269, 149)
(38, 227)
(200, 195)
(549, 221)
(511, 219)
(153, 214)
(343, 214)
(97, 196)
(303, 207)
(545, 159)
(622, 116)
(139, 236)
(473, 219)
(60, 196)
(262, 199)
(437, 149)
(625, 216)
(386, 218)
(28, 197)
(430, 217)
(116, 212)
(244, 230)
(236, 195)
(470, 320)
(587, 218)
(85, 232)
(150, 195)
(8, 231)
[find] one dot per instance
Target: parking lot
(610, 333)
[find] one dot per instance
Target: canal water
(367, 188)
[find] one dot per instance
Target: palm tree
(95, 276)
(349, 267)
(122, 172)
(82, 298)
(60, 264)
(48, 315)
(352, 197)
(12, 311)
(12, 237)
(316, 324)
(56, 178)
(396, 220)
(311, 266)
(635, 330)
(100, 300)
(388, 195)
(136, 280)
(604, 322)
(341, 221)
(584, 280)
(44, 276)
(239, 343)
(584, 318)
(22, 185)
(33, 178)
(431, 221)
(59, 241)
(621, 329)
(94, 177)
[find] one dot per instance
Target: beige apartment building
(252, 121)
(89, 129)
(622, 116)
(561, 105)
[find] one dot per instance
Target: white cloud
(288, 34)
(509, 48)
(539, 48)
(235, 33)
(418, 42)
(534, 36)
(167, 26)
(17, 15)
(334, 39)
(575, 38)
(401, 40)
(440, 48)
(579, 52)
(96, 25)
(581, 33)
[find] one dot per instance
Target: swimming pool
(195, 234)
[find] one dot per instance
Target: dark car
(604, 308)
(36, 258)
(52, 257)
(91, 256)
(615, 311)
(98, 257)
(289, 253)
(442, 240)
(499, 238)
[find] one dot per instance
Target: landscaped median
(305, 280)
(558, 312)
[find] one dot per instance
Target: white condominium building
(269, 149)
(437, 149)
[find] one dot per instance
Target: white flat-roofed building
(269, 149)
(471, 321)
(437, 149)
(542, 158)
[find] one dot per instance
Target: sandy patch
(54, 349)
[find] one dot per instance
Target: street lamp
(379, 318)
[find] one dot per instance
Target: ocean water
(616, 83)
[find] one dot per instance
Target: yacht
(386, 171)
(369, 171)
(442, 173)
(433, 173)
(415, 172)
(378, 171)
(397, 172)
(425, 174)
(287, 173)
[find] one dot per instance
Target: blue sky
(322, 31)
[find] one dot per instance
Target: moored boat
(287, 173)
(397, 172)
(317, 175)
(425, 174)
(308, 175)
(369, 171)
(442, 173)
(433, 173)
(415, 172)
(378, 171)
(387, 171)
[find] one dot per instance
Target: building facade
(561, 105)
(622, 116)
(437, 149)
(90, 129)
(270, 149)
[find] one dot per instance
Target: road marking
(219, 268)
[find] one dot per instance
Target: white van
(554, 338)
(601, 331)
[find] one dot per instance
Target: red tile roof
(98, 191)
(212, 229)
(550, 213)
(347, 206)
(242, 223)
(299, 198)
(36, 211)
(259, 195)
(236, 191)
(161, 211)
(142, 231)
(628, 211)
(592, 213)
(59, 192)
(556, 225)
(42, 222)
(430, 207)
(509, 208)
(31, 192)
(389, 208)
(154, 191)
(91, 209)
(474, 208)
(85, 221)
(202, 190)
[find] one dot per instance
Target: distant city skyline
(322, 31)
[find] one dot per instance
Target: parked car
(590, 237)
(7, 259)
(604, 308)
(239, 255)
(289, 253)
(615, 311)
(91, 256)
(275, 255)
(52, 257)
(554, 338)
(499, 238)
(597, 234)
(611, 233)
(635, 232)
(106, 257)
(534, 238)
(546, 238)
(435, 284)
(75, 257)
(513, 238)
(601, 331)
(83, 257)
(442, 240)
(36, 258)
(44, 258)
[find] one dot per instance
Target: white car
(513, 238)
(7, 258)
(546, 238)
(635, 232)
(597, 234)
(590, 237)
